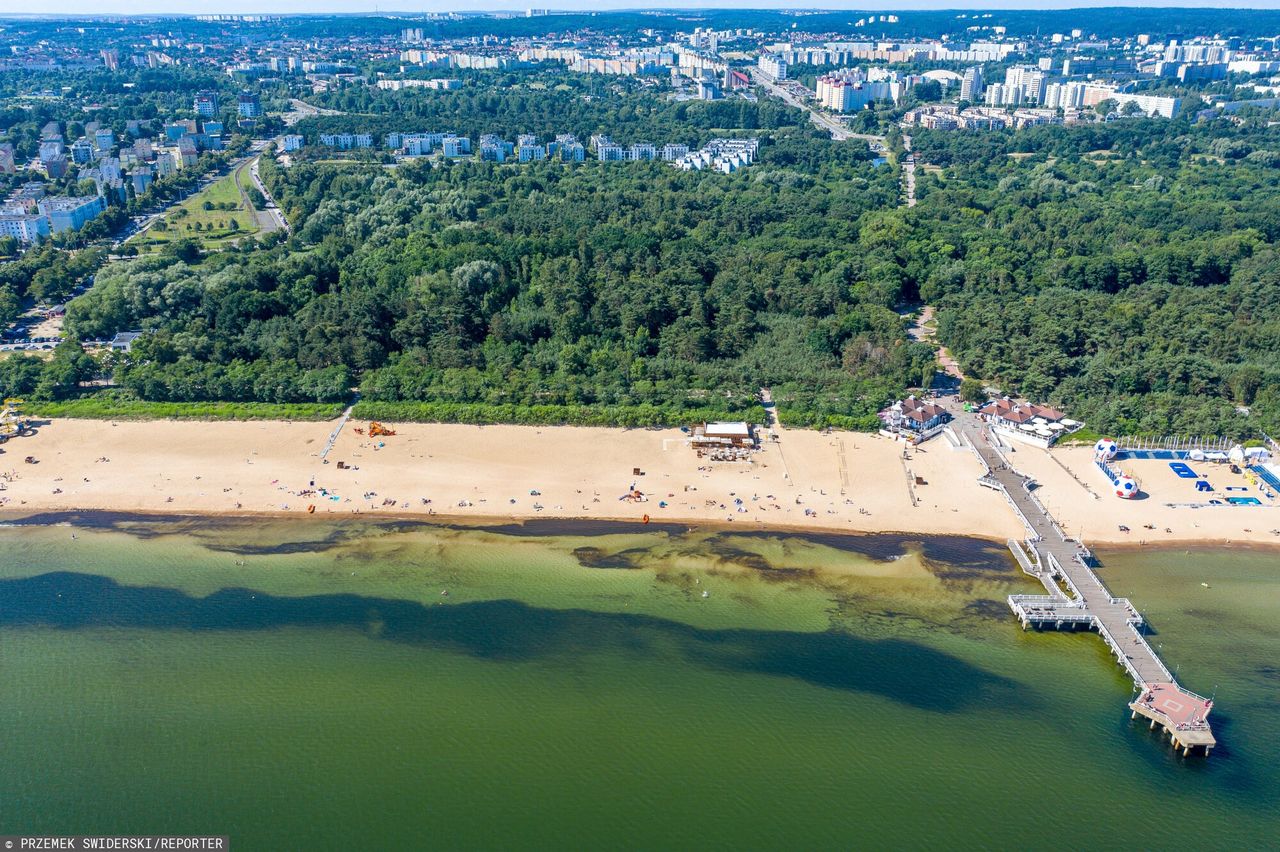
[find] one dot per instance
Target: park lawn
(215, 229)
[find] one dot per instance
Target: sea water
(399, 685)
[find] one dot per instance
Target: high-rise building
(773, 66)
(205, 104)
(1024, 84)
(971, 85)
(248, 105)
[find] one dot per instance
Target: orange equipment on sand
(377, 430)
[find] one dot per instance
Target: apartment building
(71, 212)
(248, 105)
(773, 66)
(205, 104)
(23, 226)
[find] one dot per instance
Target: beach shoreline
(545, 525)
(450, 474)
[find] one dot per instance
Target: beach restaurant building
(1034, 424)
(915, 419)
(719, 436)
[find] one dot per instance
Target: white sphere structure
(1106, 449)
(1126, 487)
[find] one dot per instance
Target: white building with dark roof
(1028, 422)
(915, 419)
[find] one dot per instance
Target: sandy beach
(839, 481)
(1168, 509)
(848, 482)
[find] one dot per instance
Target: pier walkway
(1077, 597)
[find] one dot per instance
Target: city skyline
(167, 8)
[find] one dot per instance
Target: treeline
(633, 416)
(116, 405)
(1124, 271)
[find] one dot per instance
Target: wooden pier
(1076, 597)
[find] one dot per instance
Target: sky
(195, 7)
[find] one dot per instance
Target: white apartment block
(773, 66)
(608, 152)
(346, 141)
(673, 151)
(23, 227)
(1153, 105)
(642, 151)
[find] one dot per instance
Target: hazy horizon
(56, 8)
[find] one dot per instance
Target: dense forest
(634, 288)
(1124, 270)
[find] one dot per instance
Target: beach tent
(1236, 454)
(1196, 455)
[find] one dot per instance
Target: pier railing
(1024, 561)
(1171, 725)
(1097, 581)
(1124, 658)
(1043, 609)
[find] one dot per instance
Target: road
(141, 224)
(832, 125)
(302, 109)
(924, 331)
(269, 218)
(909, 172)
(272, 208)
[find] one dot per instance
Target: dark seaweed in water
(959, 550)
(215, 533)
(904, 671)
(595, 557)
(949, 558)
(987, 608)
(328, 533)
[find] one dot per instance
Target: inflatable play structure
(1122, 485)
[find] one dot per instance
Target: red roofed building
(1027, 421)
